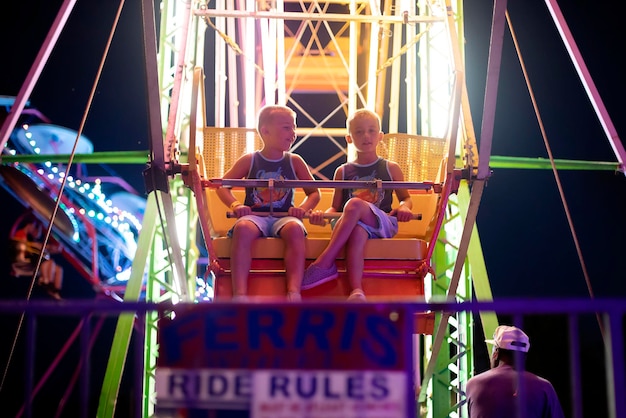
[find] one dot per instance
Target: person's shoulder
(484, 375)
(299, 166)
(391, 163)
(293, 156)
(240, 167)
(296, 160)
(540, 380)
(480, 379)
(339, 170)
(248, 156)
(395, 170)
(246, 159)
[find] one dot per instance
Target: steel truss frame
(181, 47)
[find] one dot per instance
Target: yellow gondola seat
(394, 268)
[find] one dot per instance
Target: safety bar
(336, 184)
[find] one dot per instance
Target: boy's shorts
(387, 225)
(269, 226)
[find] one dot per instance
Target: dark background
(528, 247)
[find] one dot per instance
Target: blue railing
(608, 321)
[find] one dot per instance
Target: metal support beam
(587, 81)
(324, 17)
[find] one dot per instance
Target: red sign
(287, 336)
(288, 356)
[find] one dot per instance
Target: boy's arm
(337, 194)
(313, 195)
(403, 212)
(239, 170)
(317, 216)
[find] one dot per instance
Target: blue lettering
(184, 384)
(243, 385)
(268, 323)
(379, 386)
(328, 389)
(355, 387)
(306, 390)
(279, 384)
(219, 324)
(175, 335)
(348, 332)
(317, 325)
(383, 332)
(217, 385)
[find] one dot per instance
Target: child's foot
(294, 297)
(357, 295)
(240, 298)
(314, 276)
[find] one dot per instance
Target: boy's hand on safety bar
(242, 210)
(403, 213)
(316, 217)
(297, 212)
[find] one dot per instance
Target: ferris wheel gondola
(47, 139)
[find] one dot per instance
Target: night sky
(522, 220)
(527, 243)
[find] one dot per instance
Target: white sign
(329, 394)
(203, 388)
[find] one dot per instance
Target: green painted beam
(496, 161)
(141, 157)
(123, 331)
(480, 279)
(112, 157)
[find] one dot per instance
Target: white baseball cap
(510, 338)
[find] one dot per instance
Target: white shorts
(387, 225)
(269, 226)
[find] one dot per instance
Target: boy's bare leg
(293, 236)
(244, 234)
(355, 210)
(355, 257)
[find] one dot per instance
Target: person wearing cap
(503, 391)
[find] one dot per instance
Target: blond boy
(277, 128)
(366, 213)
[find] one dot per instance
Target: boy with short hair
(277, 128)
(366, 212)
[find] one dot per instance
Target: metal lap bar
(337, 184)
(270, 186)
(335, 215)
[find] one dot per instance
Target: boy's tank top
(378, 170)
(258, 198)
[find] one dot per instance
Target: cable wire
(62, 188)
(553, 164)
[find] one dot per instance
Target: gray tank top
(258, 198)
(378, 170)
